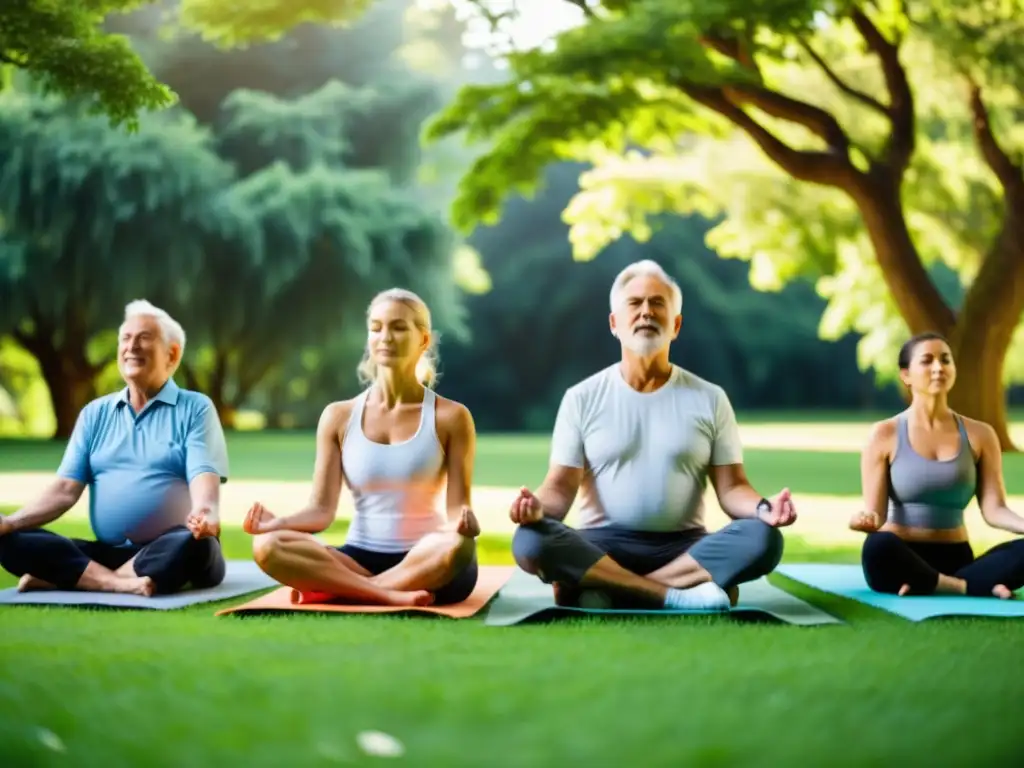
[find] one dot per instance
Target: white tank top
(396, 488)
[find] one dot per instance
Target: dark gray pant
(744, 550)
(172, 560)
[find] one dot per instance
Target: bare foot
(418, 598)
(394, 597)
(138, 585)
(1002, 592)
(29, 583)
(904, 589)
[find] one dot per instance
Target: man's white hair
(646, 268)
(170, 328)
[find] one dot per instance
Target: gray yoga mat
(525, 596)
(242, 578)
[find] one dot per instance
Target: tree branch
(842, 85)
(901, 100)
(1008, 173)
(815, 119)
(582, 5)
(733, 49)
(6, 59)
(825, 168)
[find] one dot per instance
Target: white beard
(643, 344)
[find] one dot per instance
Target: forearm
(740, 501)
(205, 494)
(47, 508)
(1005, 519)
(556, 501)
(311, 519)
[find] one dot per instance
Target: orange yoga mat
(491, 579)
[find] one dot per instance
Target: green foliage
(231, 24)
(664, 100)
(24, 400)
(542, 304)
(312, 239)
(80, 199)
(63, 47)
(984, 39)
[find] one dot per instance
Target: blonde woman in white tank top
(407, 456)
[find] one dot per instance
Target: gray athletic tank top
(928, 493)
(395, 488)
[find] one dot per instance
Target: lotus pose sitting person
(396, 445)
(640, 438)
(154, 457)
(919, 470)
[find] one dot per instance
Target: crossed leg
(892, 565)
(318, 572)
(45, 560)
(742, 551)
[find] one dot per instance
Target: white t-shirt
(646, 454)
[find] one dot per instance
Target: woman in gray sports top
(919, 471)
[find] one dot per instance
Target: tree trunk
(72, 384)
(226, 412)
(991, 312)
(979, 392)
(878, 198)
(980, 334)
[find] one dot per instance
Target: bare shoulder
(981, 434)
(335, 416)
(882, 436)
(453, 417)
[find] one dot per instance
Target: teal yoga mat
(525, 597)
(848, 581)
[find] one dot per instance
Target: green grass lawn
(503, 460)
(185, 688)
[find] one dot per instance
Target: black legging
(172, 560)
(889, 562)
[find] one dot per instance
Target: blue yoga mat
(848, 581)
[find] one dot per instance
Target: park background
(286, 178)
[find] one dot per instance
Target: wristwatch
(763, 506)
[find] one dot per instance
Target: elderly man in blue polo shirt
(153, 456)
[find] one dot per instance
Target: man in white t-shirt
(639, 440)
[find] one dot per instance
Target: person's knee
(267, 548)
(764, 544)
(528, 545)
(877, 555)
(208, 567)
(457, 551)
(9, 544)
(879, 546)
(16, 553)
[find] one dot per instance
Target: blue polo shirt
(138, 465)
